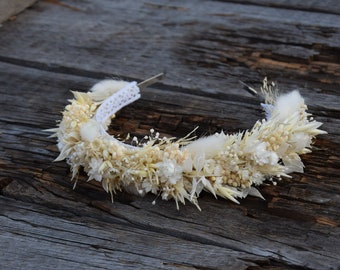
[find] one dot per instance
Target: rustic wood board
(10, 8)
(205, 47)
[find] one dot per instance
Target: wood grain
(10, 8)
(205, 47)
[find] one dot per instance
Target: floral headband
(226, 165)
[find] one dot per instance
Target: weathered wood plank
(9, 8)
(200, 46)
(205, 49)
(302, 204)
(79, 241)
(329, 6)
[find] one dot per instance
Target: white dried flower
(169, 171)
(95, 171)
(105, 89)
(207, 146)
(89, 130)
(287, 105)
(262, 156)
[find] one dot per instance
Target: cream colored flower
(169, 171)
(95, 171)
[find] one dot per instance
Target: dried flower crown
(228, 166)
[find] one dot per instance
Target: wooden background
(10, 8)
(205, 47)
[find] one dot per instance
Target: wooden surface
(10, 8)
(205, 47)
